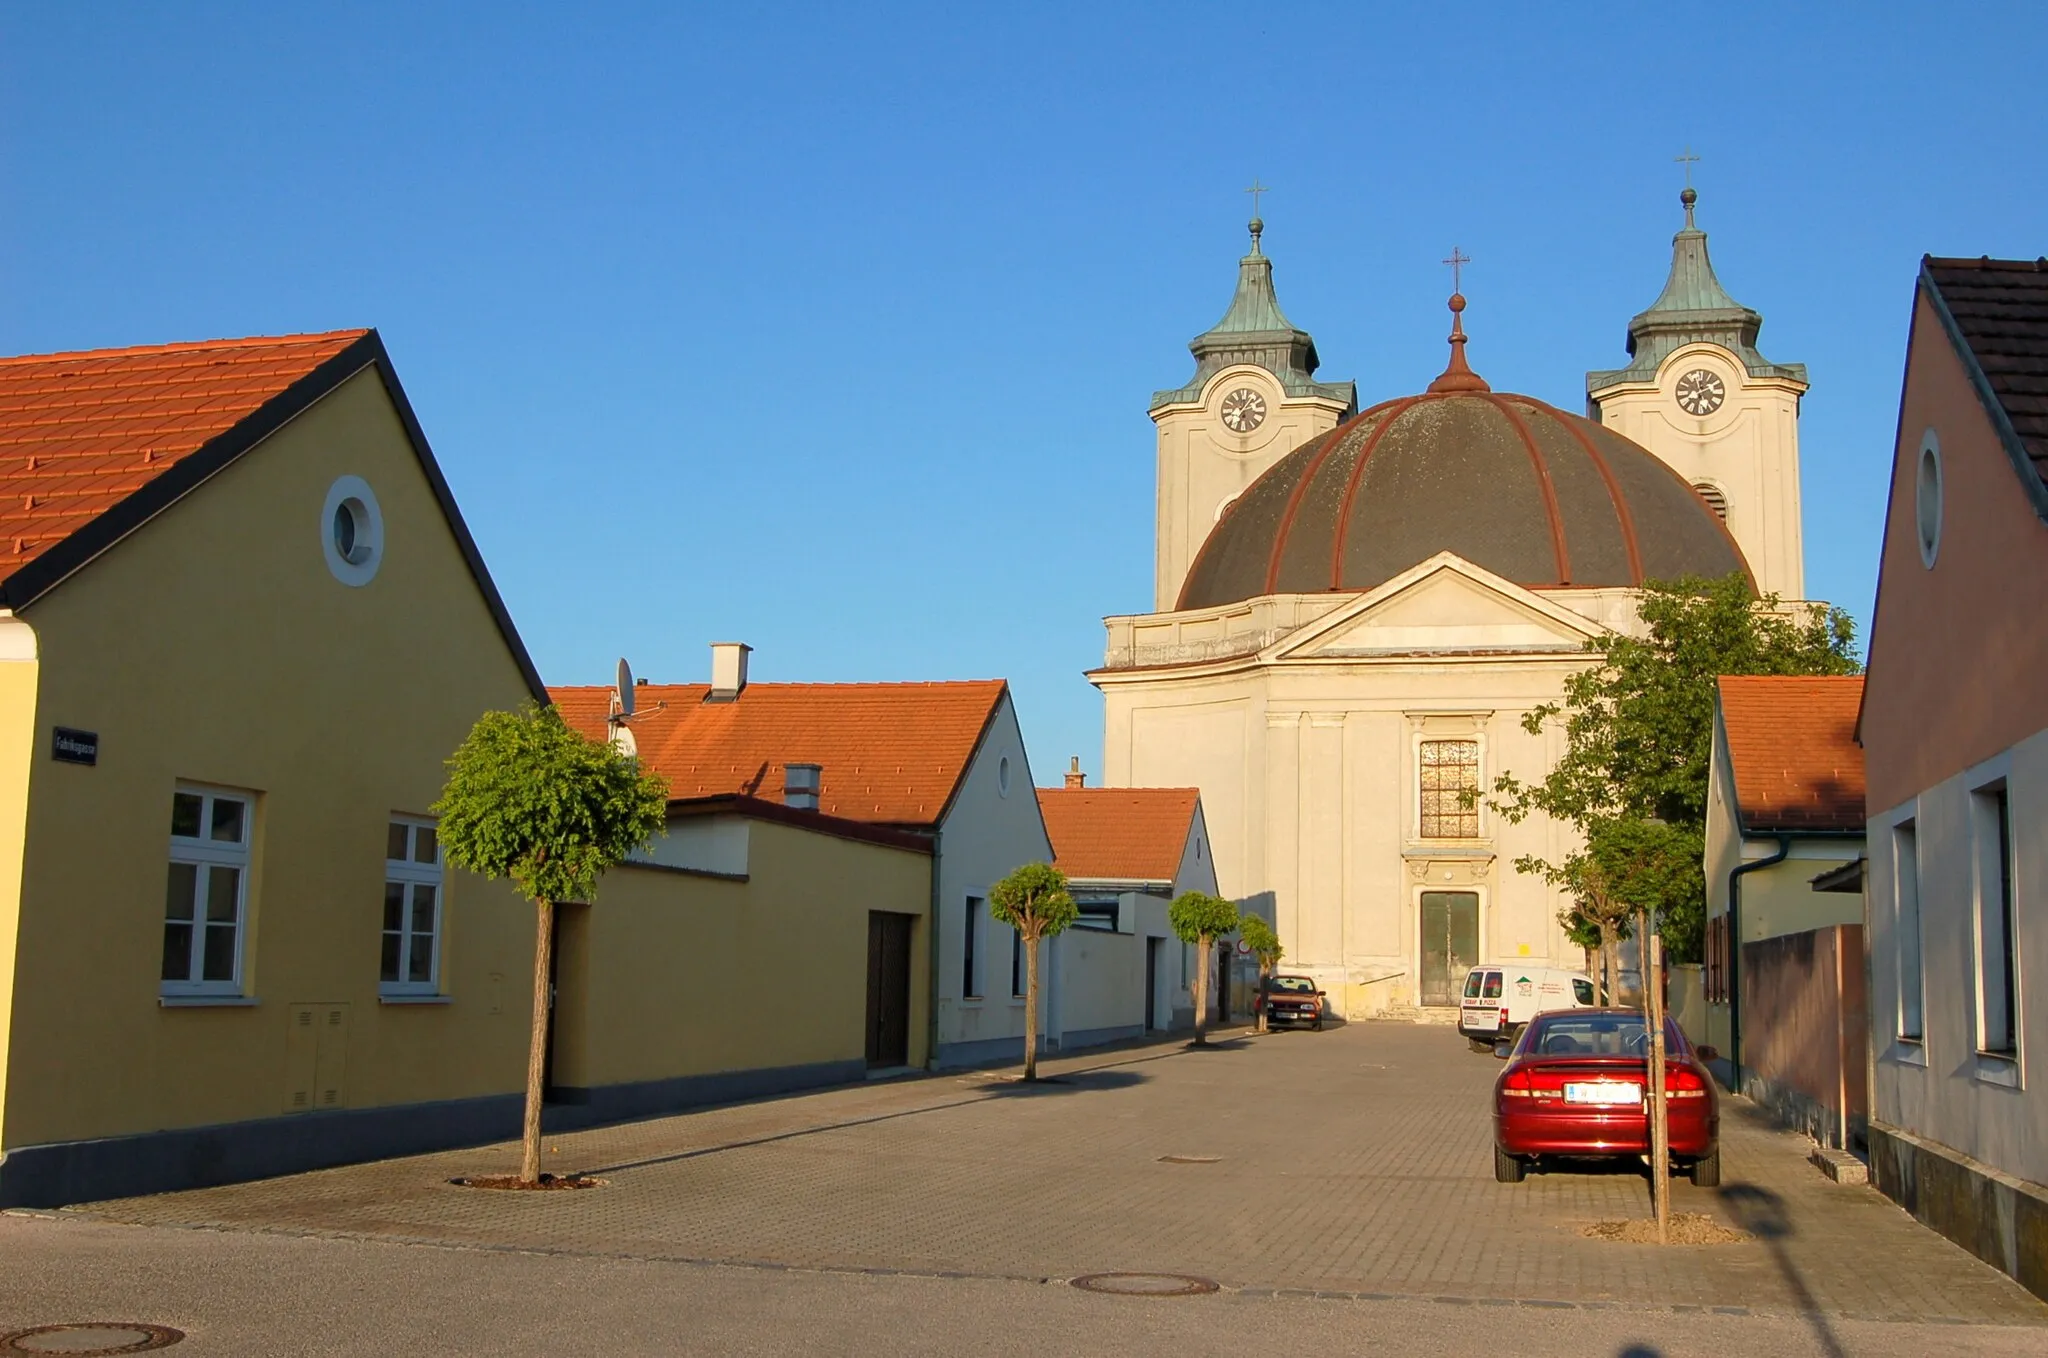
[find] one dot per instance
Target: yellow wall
(1780, 899)
(669, 974)
(213, 645)
(18, 667)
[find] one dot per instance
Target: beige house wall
(1956, 651)
(213, 646)
(670, 974)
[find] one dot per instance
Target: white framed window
(207, 895)
(1447, 780)
(352, 531)
(410, 961)
(1906, 931)
(1998, 1030)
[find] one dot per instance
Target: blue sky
(831, 329)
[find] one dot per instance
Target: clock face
(1244, 410)
(1700, 392)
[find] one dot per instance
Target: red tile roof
(1122, 834)
(81, 432)
(892, 754)
(1792, 742)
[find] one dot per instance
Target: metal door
(888, 989)
(1450, 943)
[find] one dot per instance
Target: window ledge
(206, 1001)
(1448, 848)
(415, 999)
(1994, 1069)
(1907, 1051)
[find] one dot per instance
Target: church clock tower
(1699, 395)
(1252, 400)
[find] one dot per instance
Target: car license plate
(1482, 1018)
(1608, 1093)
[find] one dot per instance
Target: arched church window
(1716, 498)
(1450, 789)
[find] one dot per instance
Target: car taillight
(1532, 1084)
(1683, 1082)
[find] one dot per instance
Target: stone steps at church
(1446, 1015)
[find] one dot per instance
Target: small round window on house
(1927, 498)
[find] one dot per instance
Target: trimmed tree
(1639, 734)
(1265, 945)
(1035, 902)
(1201, 919)
(530, 800)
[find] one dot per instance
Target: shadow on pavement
(1073, 1082)
(1762, 1213)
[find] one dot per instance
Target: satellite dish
(625, 682)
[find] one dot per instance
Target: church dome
(1534, 494)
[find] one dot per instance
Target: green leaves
(1259, 936)
(1197, 916)
(532, 800)
(1639, 726)
(1034, 901)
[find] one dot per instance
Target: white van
(1500, 998)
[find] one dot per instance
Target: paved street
(1349, 1195)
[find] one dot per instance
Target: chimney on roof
(728, 670)
(1076, 778)
(800, 785)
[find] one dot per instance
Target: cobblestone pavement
(1354, 1161)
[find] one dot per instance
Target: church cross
(1255, 190)
(1688, 160)
(1458, 260)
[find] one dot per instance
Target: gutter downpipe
(931, 1013)
(1735, 952)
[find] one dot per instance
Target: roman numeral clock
(1244, 410)
(1700, 393)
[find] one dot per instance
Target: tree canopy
(1260, 938)
(1034, 901)
(1196, 916)
(1639, 734)
(530, 799)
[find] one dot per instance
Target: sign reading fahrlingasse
(75, 747)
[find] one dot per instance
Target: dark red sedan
(1292, 999)
(1577, 1086)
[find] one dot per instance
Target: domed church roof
(1518, 487)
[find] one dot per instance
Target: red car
(1577, 1085)
(1292, 999)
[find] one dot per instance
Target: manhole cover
(1189, 1159)
(1145, 1284)
(101, 1337)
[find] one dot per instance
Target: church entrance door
(1450, 943)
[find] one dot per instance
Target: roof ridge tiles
(187, 346)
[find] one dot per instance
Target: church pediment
(1444, 606)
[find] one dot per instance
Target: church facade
(1354, 610)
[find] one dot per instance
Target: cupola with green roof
(1254, 330)
(1693, 309)
(1698, 394)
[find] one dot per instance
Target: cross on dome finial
(1687, 195)
(1258, 225)
(1458, 260)
(1457, 374)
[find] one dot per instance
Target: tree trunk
(1201, 990)
(1660, 1110)
(1265, 976)
(1610, 963)
(1030, 1007)
(537, 1046)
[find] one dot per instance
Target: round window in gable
(1003, 776)
(352, 531)
(1927, 498)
